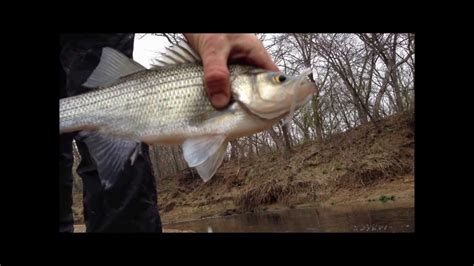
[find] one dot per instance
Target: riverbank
(365, 167)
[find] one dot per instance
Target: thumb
(216, 76)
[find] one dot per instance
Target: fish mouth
(306, 88)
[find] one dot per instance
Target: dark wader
(129, 205)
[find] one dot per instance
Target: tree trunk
(176, 165)
(287, 139)
(318, 125)
(380, 94)
(303, 129)
(277, 139)
(234, 149)
(399, 107)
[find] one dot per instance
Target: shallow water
(308, 220)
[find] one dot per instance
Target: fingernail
(219, 100)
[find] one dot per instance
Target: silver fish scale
(162, 101)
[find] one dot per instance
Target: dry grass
(272, 191)
(266, 193)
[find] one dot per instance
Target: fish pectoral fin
(208, 168)
(112, 66)
(109, 155)
(198, 150)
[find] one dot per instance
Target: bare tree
(387, 47)
(173, 38)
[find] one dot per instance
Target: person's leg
(66, 220)
(132, 202)
(128, 205)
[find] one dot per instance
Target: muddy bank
(395, 194)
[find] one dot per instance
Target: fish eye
(279, 78)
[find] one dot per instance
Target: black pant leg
(130, 204)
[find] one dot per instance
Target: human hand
(216, 50)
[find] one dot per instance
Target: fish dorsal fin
(180, 53)
(198, 150)
(112, 66)
(110, 155)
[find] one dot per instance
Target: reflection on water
(308, 220)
